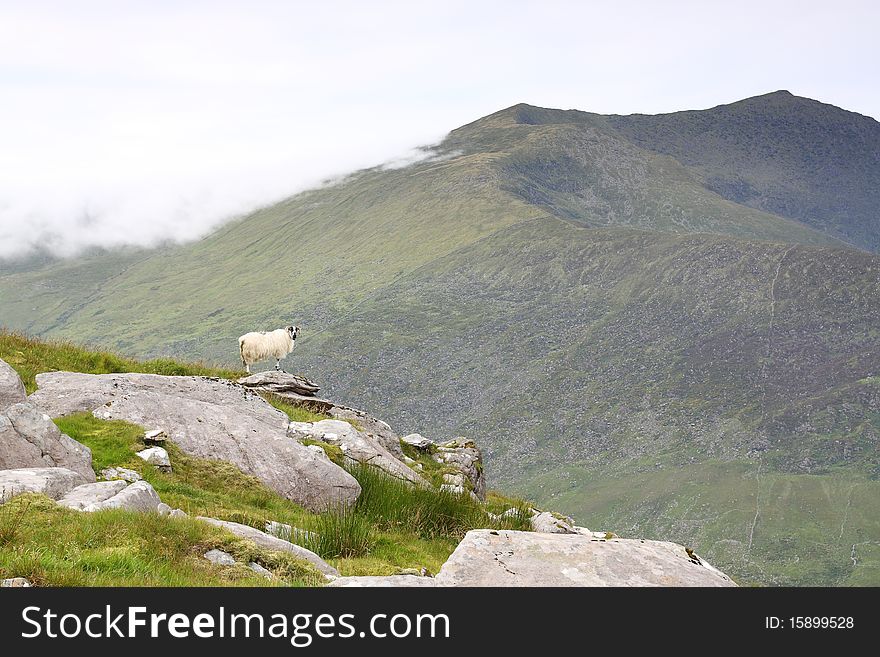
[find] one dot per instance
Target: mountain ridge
(586, 308)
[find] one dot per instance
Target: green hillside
(623, 337)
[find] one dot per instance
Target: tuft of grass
(339, 532)
(390, 503)
(29, 356)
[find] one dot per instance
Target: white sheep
(262, 345)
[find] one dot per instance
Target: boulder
(371, 581)
(206, 418)
(219, 558)
(418, 441)
(82, 496)
(121, 473)
(157, 456)
(14, 583)
(273, 544)
(29, 439)
(53, 482)
(139, 496)
(177, 513)
(512, 558)
(463, 455)
(547, 523)
(11, 388)
(163, 509)
(356, 445)
(275, 382)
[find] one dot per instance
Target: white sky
(133, 122)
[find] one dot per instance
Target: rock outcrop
(29, 438)
(11, 388)
(274, 544)
(206, 418)
(280, 383)
(301, 391)
(52, 482)
(356, 445)
(512, 558)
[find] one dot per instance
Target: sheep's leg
(277, 364)
(247, 368)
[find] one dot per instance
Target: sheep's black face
(293, 331)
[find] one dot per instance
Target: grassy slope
(392, 527)
(561, 352)
(562, 285)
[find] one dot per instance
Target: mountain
(595, 299)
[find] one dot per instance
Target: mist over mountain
(666, 324)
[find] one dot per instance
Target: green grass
(391, 504)
(30, 356)
(61, 547)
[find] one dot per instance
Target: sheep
(262, 345)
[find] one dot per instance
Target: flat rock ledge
(502, 558)
(513, 558)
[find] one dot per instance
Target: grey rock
(163, 509)
(219, 558)
(371, 581)
(82, 496)
(15, 583)
(276, 382)
(511, 558)
(53, 482)
(547, 523)
(157, 456)
(265, 572)
(273, 544)
(418, 441)
(207, 418)
(288, 533)
(373, 427)
(356, 445)
(463, 455)
(155, 437)
(11, 388)
(29, 438)
(178, 513)
(121, 473)
(139, 496)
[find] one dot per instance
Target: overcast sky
(133, 122)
